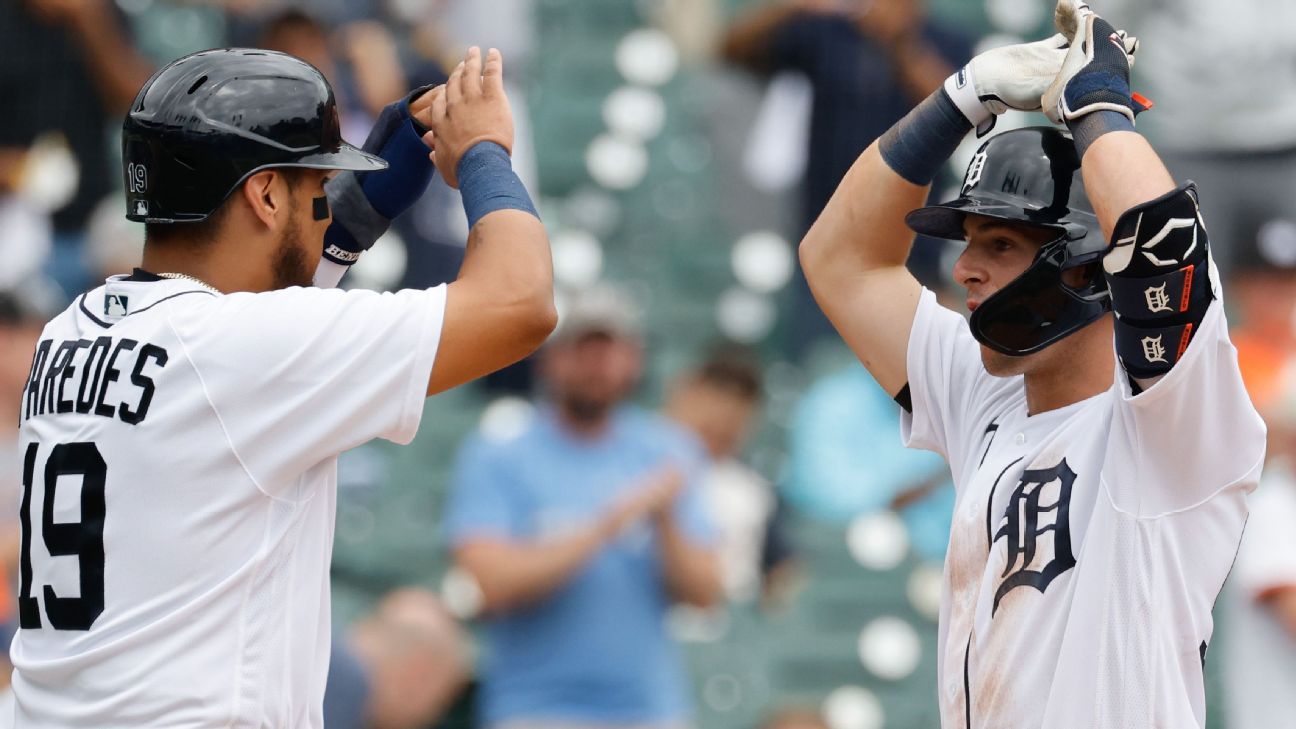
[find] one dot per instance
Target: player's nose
(968, 271)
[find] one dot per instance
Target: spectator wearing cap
(581, 529)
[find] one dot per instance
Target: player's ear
(266, 198)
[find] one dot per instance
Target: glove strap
(961, 87)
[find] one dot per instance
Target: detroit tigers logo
(975, 169)
(1157, 299)
(1038, 508)
(1153, 349)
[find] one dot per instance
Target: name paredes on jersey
(109, 377)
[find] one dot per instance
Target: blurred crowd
(628, 496)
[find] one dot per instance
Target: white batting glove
(1095, 74)
(1011, 77)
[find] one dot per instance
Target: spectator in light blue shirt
(581, 530)
(845, 458)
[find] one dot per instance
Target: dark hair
(204, 232)
(733, 371)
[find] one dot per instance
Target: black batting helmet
(1030, 176)
(206, 122)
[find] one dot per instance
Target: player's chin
(999, 364)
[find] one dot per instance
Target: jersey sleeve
(1190, 435)
(950, 389)
(299, 375)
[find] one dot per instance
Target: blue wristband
(1087, 129)
(917, 146)
(487, 183)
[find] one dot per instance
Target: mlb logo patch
(141, 207)
(116, 305)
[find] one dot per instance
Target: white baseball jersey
(179, 492)
(1088, 543)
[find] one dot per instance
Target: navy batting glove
(364, 203)
(1096, 73)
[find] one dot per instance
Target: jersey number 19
(83, 538)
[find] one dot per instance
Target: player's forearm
(862, 227)
(508, 254)
(1122, 171)
(692, 572)
(515, 574)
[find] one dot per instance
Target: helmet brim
(945, 220)
(346, 158)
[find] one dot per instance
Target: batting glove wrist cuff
(961, 88)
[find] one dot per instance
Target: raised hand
(1095, 73)
(470, 108)
(1017, 76)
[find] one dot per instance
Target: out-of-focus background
(679, 149)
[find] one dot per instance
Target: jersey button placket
(1020, 439)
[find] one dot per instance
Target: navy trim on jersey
(108, 325)
(92, 317)
(172, 296)
(904, 399)
(967, 689)
(992, 429)
(139, 274)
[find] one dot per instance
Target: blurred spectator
(868, 63)
(1259, 622)
(1259, 650)
(581, 528)
(25, 232)
(1241, 147)
(719, 400)
(400, 667)
(69, 67)
(113, 244)
(20, 328)
(845, 458)
(1265, 299)
(795, 719)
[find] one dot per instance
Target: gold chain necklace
(187, 277)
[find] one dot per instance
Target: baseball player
(1100, 439)
(181, 425)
